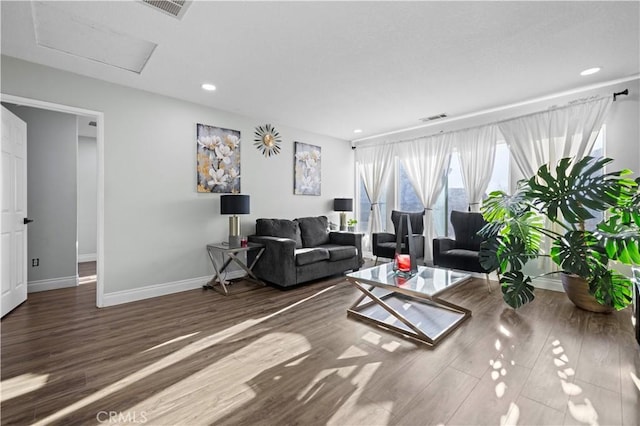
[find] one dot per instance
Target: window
(364, 208)
(402, 196)
(456, 194)
(500, 177)
(408, 200)
(597, 151)
(453, 196)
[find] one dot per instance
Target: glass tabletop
(226, 248)
(427, 281)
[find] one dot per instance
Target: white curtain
(426, 162)
(548, 136)
(375, 164)
(477, 149)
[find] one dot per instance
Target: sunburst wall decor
(267, 140)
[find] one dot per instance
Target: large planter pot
(577, 289)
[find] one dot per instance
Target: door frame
(100, 165)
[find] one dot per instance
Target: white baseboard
(541, 282)
(52, 284)
(155, 290)
(548, 284)
(91, 257)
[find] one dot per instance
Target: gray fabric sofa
(303, 249)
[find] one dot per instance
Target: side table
(230, 254)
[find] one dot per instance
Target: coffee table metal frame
(231, 254)
(368, 286)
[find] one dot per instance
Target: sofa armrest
(277, 264)
(441, 245)
(348, 239)
(382, 237)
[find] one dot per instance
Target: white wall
(156, 226)
(51, 198)
(87, 199)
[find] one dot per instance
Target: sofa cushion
(337, 252)
(281, 228)
(305, 256)
(314, 230)
(462, 259)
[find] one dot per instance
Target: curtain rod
(625, 92)
(505, 107)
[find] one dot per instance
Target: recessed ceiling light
(590, 71)
(209, 87)
(357, 131)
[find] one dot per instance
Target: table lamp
(343, 205)
(234, 205)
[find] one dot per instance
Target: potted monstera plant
(555, 204)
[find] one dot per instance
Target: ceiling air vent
(175, 8)
(434, 117)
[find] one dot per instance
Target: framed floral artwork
(218, 159)
(307, 169)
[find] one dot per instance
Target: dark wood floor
(269, 357)
(87, 270)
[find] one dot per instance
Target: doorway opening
(89, 227)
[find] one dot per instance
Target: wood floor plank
(492, 398)
(599, 361)
(529, 412)
(439, 400)
(271, 357)
(593, 405)
(629, 373)
(551, 385)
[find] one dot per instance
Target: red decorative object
(402, 262)
(401, 280)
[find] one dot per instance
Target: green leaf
(621, 239)
(516, 289)
(575, 187)
(488, 254)
(513, 251)
(579, 252)
(500, 205)
(525, 228)
(612, 289)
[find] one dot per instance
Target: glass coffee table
(410, 306)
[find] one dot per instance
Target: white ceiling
(332, 67)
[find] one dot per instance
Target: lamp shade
(342, 204)
(234, 204)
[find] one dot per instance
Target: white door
(13, 247)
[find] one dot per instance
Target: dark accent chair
(463, 253)
(384, 243)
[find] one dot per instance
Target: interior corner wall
(156, 226)
(87, 199)
(51, 194)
